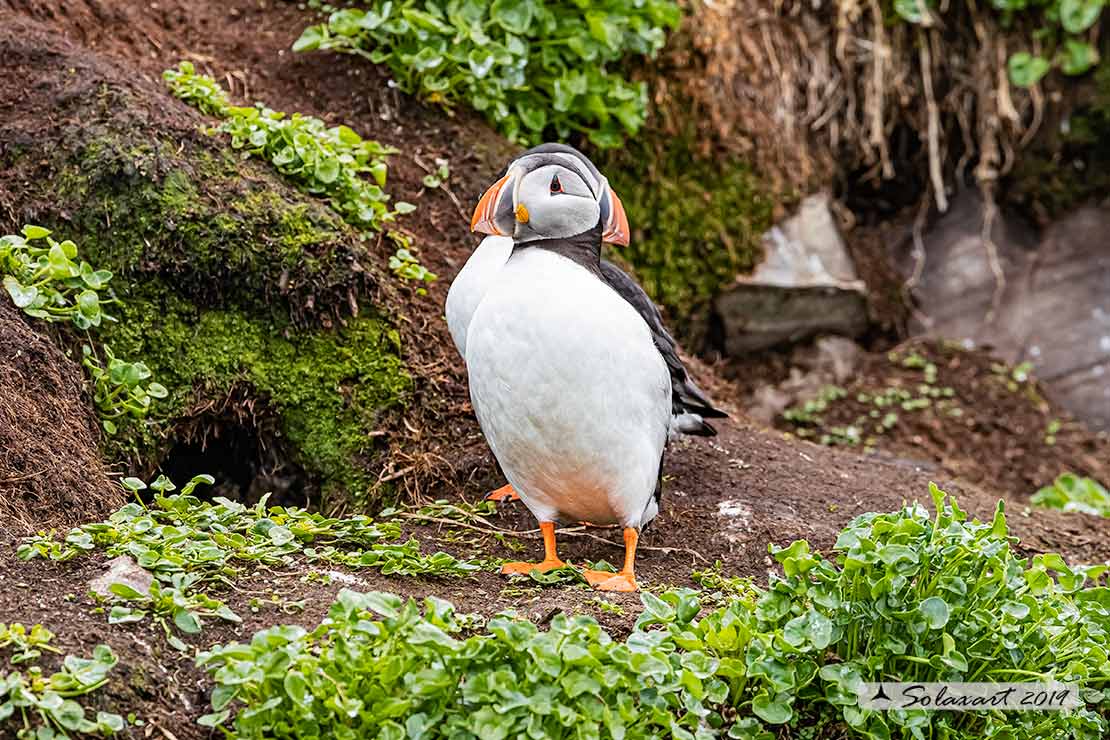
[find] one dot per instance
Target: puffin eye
(556, 186)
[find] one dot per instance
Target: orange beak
(483, 219)
(616, 231)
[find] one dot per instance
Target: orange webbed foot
(504, 493)
(550, 560)
(606, 581)
(526, 568)
(626, 579)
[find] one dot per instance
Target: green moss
(695, 223)
(328, 388)
(1071, 166)
(224, 232)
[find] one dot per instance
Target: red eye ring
(556, 186)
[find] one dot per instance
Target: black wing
(686, 397)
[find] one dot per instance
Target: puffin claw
(606, 581)
(504, 493)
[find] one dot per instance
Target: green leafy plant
(175, 603)
(332, 162)
(122, 388)
(200, 91)
(908, 596)
(1070, 492)
(190, 545)
(44, 707)
(439, 176)
(28, 643)
(535, 70)
(404, 264)
(44, 278)
(180, 533)
(403, 558)
(1064, 27)
(720, 587)
(382, 667)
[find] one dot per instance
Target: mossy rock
(696, 223)
(235, 288)
(328, 388)
(223, 229)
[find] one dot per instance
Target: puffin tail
(692, 424)
(689, 400)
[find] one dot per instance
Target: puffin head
(551, 192)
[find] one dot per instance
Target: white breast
(471, 284)
(570, 391)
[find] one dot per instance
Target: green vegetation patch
(232, 283)
(696, 223)
(191, 547)
(905, 596)
(40, 706)
(880, 411)
(1070, 492)
(44, 279)
(222, 232)
(536, 70)
(323, 160)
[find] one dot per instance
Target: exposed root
(808, 88)
(990, 210)
(935, 172)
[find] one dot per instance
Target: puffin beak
(483, 219)
(616, 231)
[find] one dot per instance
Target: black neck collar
(583, 249)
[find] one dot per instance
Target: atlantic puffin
(570, 385)
(690, 406)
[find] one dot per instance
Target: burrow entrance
(247, 461)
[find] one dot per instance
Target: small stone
(837, 356)
(122, 570)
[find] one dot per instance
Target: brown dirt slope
(726, 500)
(980, 421)
(437, 440)
(50, 469)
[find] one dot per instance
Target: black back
(686, 397)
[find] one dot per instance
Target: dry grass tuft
(50, 469)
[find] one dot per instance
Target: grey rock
(122, 569)
(805, 285)
(1054, 312)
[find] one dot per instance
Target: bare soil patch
(986, 424)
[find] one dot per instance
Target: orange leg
(504, 493)
(626, 579)
(550, 559)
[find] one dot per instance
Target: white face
(558, 203)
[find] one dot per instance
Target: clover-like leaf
(22, 296)
(1027, 70)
